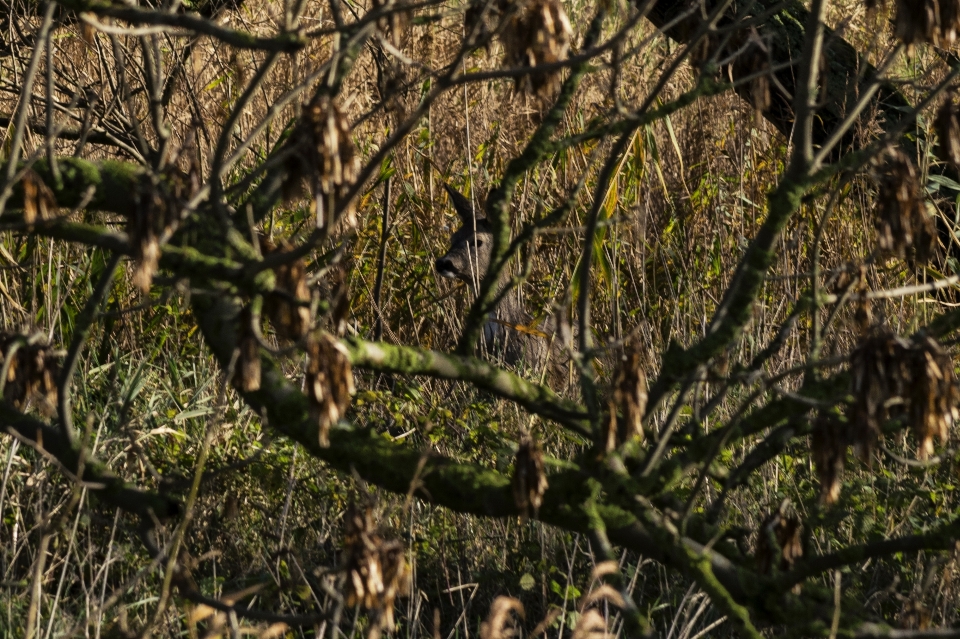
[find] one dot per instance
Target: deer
(507, 333)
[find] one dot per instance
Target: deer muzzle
(446, 268)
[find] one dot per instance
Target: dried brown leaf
(904, 226)
(947, 126)
(288, 305)
(891, 376)
(499, 623)
(629, 395)
(377, 570)
(38, 199)
(591, 625)
(537, 32)
(158, 200)
(246, 375)
(328, 382)
(324, 155)
(778, 539)
(828, 446)
(529, 478)
(32, 371)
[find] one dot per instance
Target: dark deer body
(507, 334)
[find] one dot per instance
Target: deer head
(471, 245)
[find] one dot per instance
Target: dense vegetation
(237, 398)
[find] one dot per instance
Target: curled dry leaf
(246, 375)
(38, 199)
(934, 21)
(500, 623)
(828, 446)
(546, 622)
(480, 20)
(537, 32)
(629, 395)
(324, 156)
(933, 393)
(328, 382)
(914, 615)
(32, 371)
(878, 372)
(394, 24)
(277, 630)
(591, 625)
(705, 49)
(287, 306)
(904, 227)
(396, 84)
(603, 592)
(947, 126)
(604, 568)
(377, 570)
(892, 376)
(158, 200)
(529, 479)
(338, 297)
(778, 539)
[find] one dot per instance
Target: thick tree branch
(407, 360)
(97, 477)
(440, 480)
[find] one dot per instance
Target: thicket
(237, 399)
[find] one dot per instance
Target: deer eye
(479, 243)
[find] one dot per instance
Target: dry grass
(687, 198)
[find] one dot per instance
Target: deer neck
(509, 309)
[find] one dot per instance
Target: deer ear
(462, 205)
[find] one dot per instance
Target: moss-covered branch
(61, 229)
(99, 479)
(113, 184)
(943, 538)
(414, 361)
(461, 487)
(284, 42)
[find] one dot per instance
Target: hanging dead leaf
(38, 200)
(529, 479)
(629, 396)
(828, 447)
(754, 62)
(288, 305)
(328, 383)
(932, 393)
(947, 126)
(246, 376)
(904, 226)
(537, 32)
(324, 155)
(377, 570)
(158, 200)
(778, 539)
(933, 21)
(879, 372)
(32, 371)
(395, 24)
(500, 623)
(891, 377)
